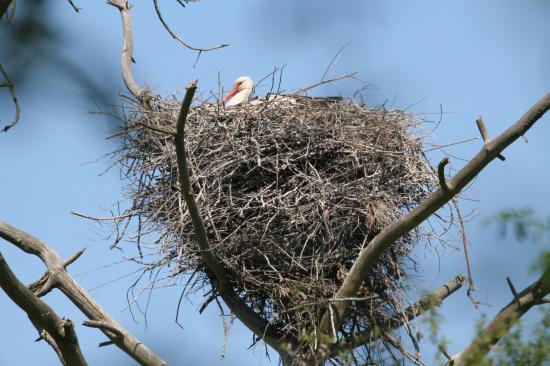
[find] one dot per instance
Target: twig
(462, 228)
(374, 249)
(10, 86)
(333, 61)
(485, 134)
(61, 279)
(157, 129)
(513, 289)
(176, 37)
(128, 46)
(58, 332)
(76, 8)
(441, 173)
(252, 320)
(348, 75)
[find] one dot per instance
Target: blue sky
(470, 57)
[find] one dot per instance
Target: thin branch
(176, 37)
(513, 290)
(9, 85)
(333, 61)
(251, 319)
(345, 76)
(58, 332)
(76, 8)
(60, 279)
(499, 326)
(372, 252)
(462, 228)
(157, 129)
(128, 46)
(485, 134)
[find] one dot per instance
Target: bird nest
(290, 191)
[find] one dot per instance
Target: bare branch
(9, 85)
(370, 254)
(345, 76)
(499, 326)
(157, 129)
(76, 8)
(176, 37)
(252, 320)
(485, 134)
(58, 332)
(59, 278)
(441, 173)
(128, 46)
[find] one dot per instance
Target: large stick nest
(290, 192)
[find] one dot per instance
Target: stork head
(242, 88)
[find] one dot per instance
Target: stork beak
(231, 93)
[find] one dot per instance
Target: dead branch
(59, 278)
(499, 326)
(56, 331)
(372, 252)
(128, 46)
(251, 319)
(9, 85)
(73, 5)
(177, 38)
(485, 134)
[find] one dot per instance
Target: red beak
(231, 93)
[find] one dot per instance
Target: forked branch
(59, 333)
(372, 252)
(58, 277)
(250, 318)
(499, 326)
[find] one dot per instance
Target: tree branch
(370, 254)
(59, 278)
(251, 319)
(427, 302)
(128, 46)
(177, 38)
(56, 331)
(9, 85)
(503, 321)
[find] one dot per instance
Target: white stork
(242, 88)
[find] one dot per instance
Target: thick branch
(370, 254)
(177, 38)
(60, 278)
(60, 332)
(252, 320)
(503, 321)
(128, 46)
